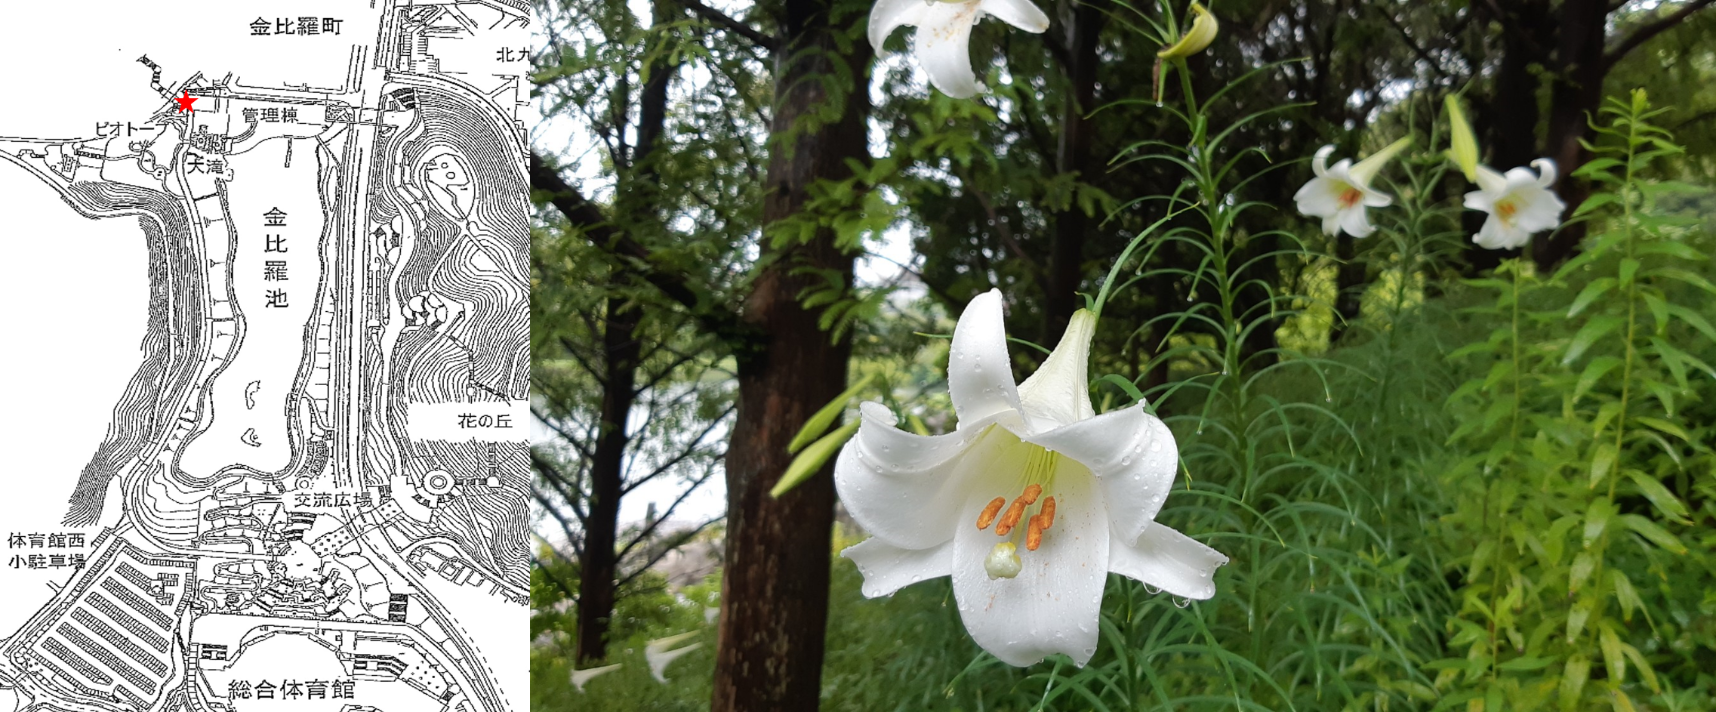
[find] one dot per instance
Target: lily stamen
(1011, 518)
(1034, 533)
(1048, 512)
(989, 512)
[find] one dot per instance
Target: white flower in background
(659, 659)
(658, 656)
(935, 505)
(1519, 203)
(579, 677)
(1340, 193)
(944, 34)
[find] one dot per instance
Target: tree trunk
(637, 200)
(774, 594)
(1511, 115)
(1577, 93)
(598, 563)
(1066, 247)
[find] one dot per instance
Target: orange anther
(1011, 518)
(1031, 494)
(990, 511)
(1048, 513)
(1034, 533)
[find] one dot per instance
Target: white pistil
(1003, 561)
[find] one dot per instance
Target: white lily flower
(944, 33)
(935, 504)
(659, 659)
(1519, 203)
(660, 644)
(579, 677)
(1340, 193)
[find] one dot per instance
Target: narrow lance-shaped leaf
(812, 459)
(818, 423)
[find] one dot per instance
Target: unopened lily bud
(1203, 32)
(1462, 144)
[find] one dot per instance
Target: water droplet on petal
(1152, 590)
(1182, 602)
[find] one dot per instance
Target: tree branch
(717, 18)
(1645, 32)
(742, 339)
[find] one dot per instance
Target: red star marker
(185, 101)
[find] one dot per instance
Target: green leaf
(1664, 426)
(1671, 354)
(1613, 658)
(1573, 677)
(1670, 248)
(1694, 320)
(1629, 267)
(1601, 461)
(1593, 371)
(1576, 618)
(1643, 666)
(1597, 519)
(1685, 276)
(1654, 532)
(1658, 494)
(818, 423)
(1594, 165)
(1625, 594)
(1593, 330)
(1124, 384)
(1589, 294)
(1583, 565)
(1529, 662)
(812, 459)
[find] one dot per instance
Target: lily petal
(1022, 14)
(1132, 453)
(889, 15)
(888, 568)
(1059, 392)
(1374, 198)
(943, 45)
(1356, 223)
(979, 372)
(1053, 605)
(1540, 210)
(899, 485)
(1320, 161)
(1168, 560)
(659, 660)
(1490, 181)
(1545, 172)
(1496, 235)
(580, 677)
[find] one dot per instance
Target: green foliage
(1585, 429)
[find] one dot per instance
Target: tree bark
(638, 202)
(774, 593)
(1511, 115)
(598, 562)
(1576, 94)
(1066, 248)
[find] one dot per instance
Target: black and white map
(266, 284)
